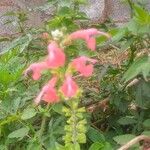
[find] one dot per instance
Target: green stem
(43, 124)
(131, 7)
(21, 28)
(132, 55)
(74, 133)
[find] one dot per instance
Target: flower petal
(56, 56)
(88, 36)
(80, 65)
(91, 43)
(69, 87)
(87, 70)
(48, 92)
(36, 69)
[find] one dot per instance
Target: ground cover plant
(59, 91)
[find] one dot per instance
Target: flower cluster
(56, 58)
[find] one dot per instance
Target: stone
(97, 10)
(35, 18)
(94, 9)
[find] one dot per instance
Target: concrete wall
(97, 10)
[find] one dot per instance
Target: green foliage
(123, 139)
(140, 66)
(28, 113)
(75, 128)
(20, 133)
(100, 146)
(124, 116)
(146, 123)
(127, 120)
(95, 136)
(21, 43)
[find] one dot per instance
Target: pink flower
(48, 92)
(80, 64)
(36, 69)
(56, 56)
(88, 36)
(69, 87)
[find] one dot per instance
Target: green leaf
(123, 139)
(22, 42)
(81, 138)
(147, 133)
(142, 94)
(95, 136)
(107, 146)
(57, 108)
(127, 120)
(141, 65)
(141, 15)
(96, 146)
(20, 133)
(10, 70)
(24, 45)
(119, 35)
(64, 11)
(101, 146)
(76, 146)
(81, 1)
(33, 145)
(59, 147)
(2, 147)
(28, 113)
(126, 44)
(146, 123)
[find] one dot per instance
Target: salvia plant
(63, 86)
(75, 107)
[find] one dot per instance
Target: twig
(102, 104)
(134, 141)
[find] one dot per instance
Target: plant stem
(131, 7)
(74, 133)
(43, 124)
(133, 49)
(20, 27)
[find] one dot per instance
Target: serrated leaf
(28, 113)
(123, 139)
(64, 11)
(94, 135)
(127, 120)
(10, 70)
(26, 43)
(137, 67)
(22, 42)
(20, 133)
(141, 15)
